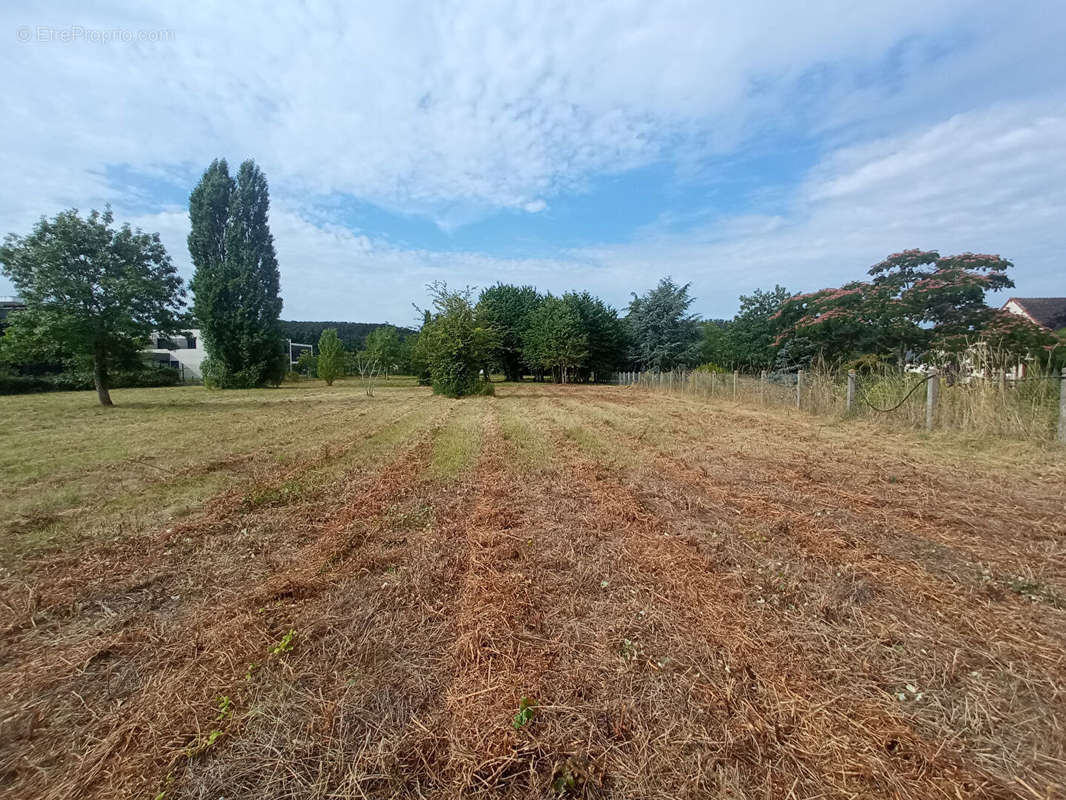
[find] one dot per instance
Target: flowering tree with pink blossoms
(916, 301)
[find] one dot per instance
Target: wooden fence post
(799, 388)
(851, 390)
(932, 394)
(1062, 405)
(762, 387)
(734, 386)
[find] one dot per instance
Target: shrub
(80, 380)
(217, 376)
(24, 384)
(455, 346)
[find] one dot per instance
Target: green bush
(454, 344)
(24, 384)
(217, 376)
(81, 380)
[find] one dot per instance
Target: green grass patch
(457, 444)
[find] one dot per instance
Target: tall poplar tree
(237, 282)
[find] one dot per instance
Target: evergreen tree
(665, 335)
(237, 282)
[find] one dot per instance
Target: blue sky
(593, 145)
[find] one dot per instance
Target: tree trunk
(100, 377)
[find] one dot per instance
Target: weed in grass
(525, 713)
(1035, 590)
(204, 744)
(573, 776)
(225, 705)
(285, 645)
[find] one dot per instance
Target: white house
(185, 353)
(1047, 312)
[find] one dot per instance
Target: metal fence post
(734, 386)
(932, 394)
(1062, 405)
(762, 387)
(799, 388)
(851, 390)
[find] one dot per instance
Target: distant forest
(352, 334)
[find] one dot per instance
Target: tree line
(575, 337)
(916, 307)
(386, 350)
(353, 335)
(94, 293)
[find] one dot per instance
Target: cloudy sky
(568, 145)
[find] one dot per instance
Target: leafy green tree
(330, 356)
(750, 336)
(664, 334)
(92, 293)
(555, 340)
(454, 345)
(714, 343)
(406, 354)
(1008, 339)
(420, 355)
(505, 308)
(605, 335)
(236, 284)
(385, 346)
(307, 363)
(918, 301)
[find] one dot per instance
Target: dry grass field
(560, 591)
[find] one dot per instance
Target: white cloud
(423, 108)
(992, 181)
(989, 181)
(455, 110)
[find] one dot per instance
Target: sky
(597, 146)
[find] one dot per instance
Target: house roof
(1047, 311)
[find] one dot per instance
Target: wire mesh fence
(1028, 408)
